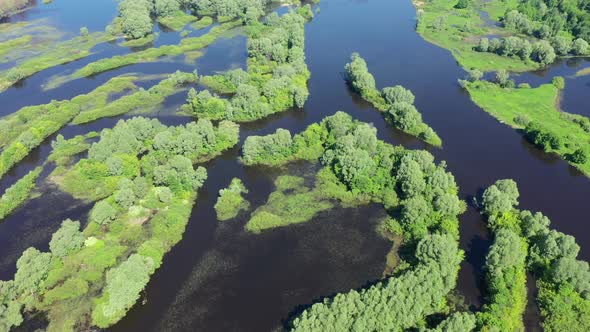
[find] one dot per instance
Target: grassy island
(397, 103)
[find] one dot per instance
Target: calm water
(220, 278)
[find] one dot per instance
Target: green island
(526, 43)
(146, 185)
(276, 78)
(18, 193)
(231, 202)
(61, 53)
(396, 102)
(27, 128)
(563, 281)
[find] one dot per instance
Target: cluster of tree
(537, 134)
(135, 17)
(563, 281)
(230, 201)
(541, 51)
(550, 17)
(397, 102)
(420, 194)
(32, 269)
(228, 9)
(145, 174)
(276, 79)
(505, 263)
(396, 304)
(8, 7)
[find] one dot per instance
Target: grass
(291, 203)
(177, 21)
(18, 193)
(68, 51)
(142, 99)
(537, 104)
(202, 23)
(140, 41)
(9, 45)
(27, 128)
(460, 32)
(153, 54)
(583, 72)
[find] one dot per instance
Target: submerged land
(142, 170)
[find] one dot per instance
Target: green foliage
(18, 193)
(506, 281)
(66, 239)
(230, 201)
(123, 286)
(103, 213)
(500, 197)
(395, 304)
(457, 322)
(396, 102)
(135, 17)
(276, 79)
(291, 203)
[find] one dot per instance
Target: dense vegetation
(397, 102)
(534, 111)
(505, 265)
(143, 173)
(230, 201)
(420, 196)
(24, 130)
(8, 7)
(19, 192)
(276, 79)
(563, 281)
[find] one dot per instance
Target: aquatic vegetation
(62, 150)
(68, 51)
(230, 201)
(27, 128)
(202, 23)
(276, 78)
(140, 41)
(291, 203)
(562, 280)
(8, 45)
(177, 20)
(535, 111)
(396, 102)
(153, 54)
(18, 193)
(143, 99)
(94, 276)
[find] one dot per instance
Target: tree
(397, 94)
(559, 82)
(580, 47)
(84, 32)
(543, 52)
(31, 269)
(125, 197)
(474, 75)
(580, 156)
(502, 78)
(103, 213)
(483, 45)
(358, 75)
(67, 239)
(462, 4)
(561, 45)
(500, 197)
(163, 8)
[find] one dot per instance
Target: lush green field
(519, 106)
(177, 21)
(459, 30)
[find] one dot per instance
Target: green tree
(66, 239)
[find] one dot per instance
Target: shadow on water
(220, 278)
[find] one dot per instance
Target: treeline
(562, 279)
(397, 102)
(543, 51)
(144, 174)
(276, 78)
(420, 196)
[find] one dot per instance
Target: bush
(559, 82)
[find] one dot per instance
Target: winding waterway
(220, 278)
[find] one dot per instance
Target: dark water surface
(220, 278)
